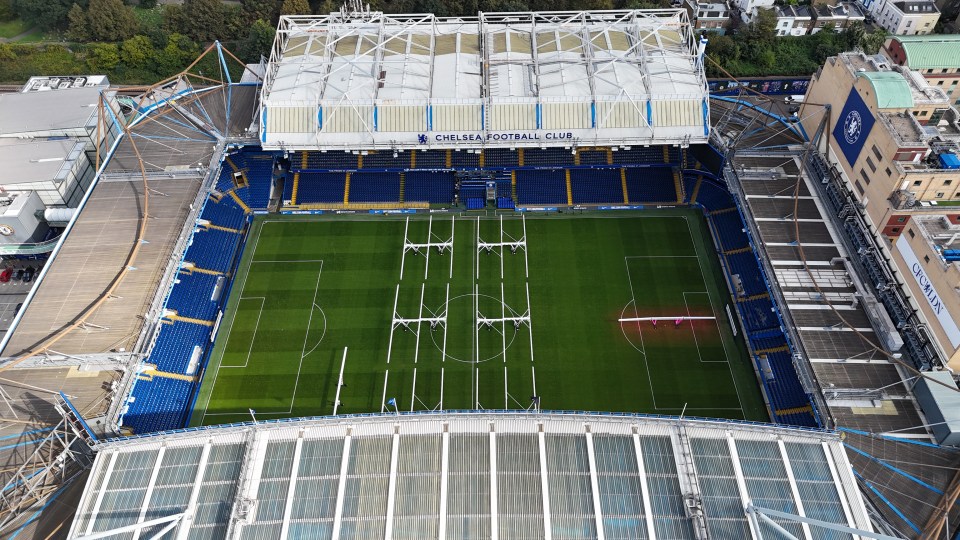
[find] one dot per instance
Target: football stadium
(519, 275)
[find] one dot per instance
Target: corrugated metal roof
(893, 91)
(931, 52)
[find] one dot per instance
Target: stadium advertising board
(934, 300)
(853, 126)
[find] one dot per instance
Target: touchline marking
(703, 276)
(303, 354)
(255, 240)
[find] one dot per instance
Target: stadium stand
(431, 187)
(321, 187)
(428, 159)
(288, 180)
(260, 179)
(593, 157)
(744, 264)
(191, 296)
(212, 249)
(329, 160)
(161, 403)
(548, 157)
(650, 185)
(374, 187)
(501, 158)
(463, 160)
(595, 186)
(223, 213)
(174, 347)
(541, 187)
(384, 160)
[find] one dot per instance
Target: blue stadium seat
(596, 186)
(476, 203)
(541, 187)
(505, 203)
(431, 187)
(225, 180)
(651, 184)
(175, 344)
(375, 187)
(638, 155)
(321, 188)
(260, 179)
(288, 187)
(548, 157)
(212, 249)
(328, 160)
(592, 157)
(226, 213)
(431, 159)
(190, 296)
(159, 405)
(385, 160)
(745, 265)
(729, 228)
(713, 197)
(758, 315)
(500, 157)
(464, 160)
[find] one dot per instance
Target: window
(926, 258)
(887, 170)
(911, 233)
(939, 194)
(876, 151)
(871, 165)
(947, 182)
(895, 230)
(917, 183)
(942, 70)
(863, 174)
(924, 113)
(939, 83)
(902, 219)
(860, 188)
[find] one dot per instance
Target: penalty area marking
(303, 352)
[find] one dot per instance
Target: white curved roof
(473, 475)
(362, 80)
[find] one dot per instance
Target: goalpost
(515, 244)
(424, 247)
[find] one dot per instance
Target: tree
(258, 10)
(110, 20)
(77, 29)
(723, 49)
(6, 10)
(137, 52)
(852, 35)
(872, 42)
(45, 14)
(295, 7)
(176, 54)
(148, 4)
(203, 19)
(103, 56)
(6, 53)
(258, 41)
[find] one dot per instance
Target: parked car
(28, 274)
(18, 275)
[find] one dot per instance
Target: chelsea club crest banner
(853, 126)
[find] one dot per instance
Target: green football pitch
(472, 312)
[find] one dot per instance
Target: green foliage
(258, 41)
(6, 11)
(175, 56)
(111, 20)
(6, 53)
(300, 7)
(46, 14)
(103, 56)
(258, 10)
(148, 4)
(77, 29)
(203, 20)
(872, 41)
(137, 52)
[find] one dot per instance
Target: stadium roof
(891, 88)
(367, 80)
(49, 113)
(477, 475)
(931, 52)
(37, 160)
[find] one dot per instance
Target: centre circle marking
(445, 307)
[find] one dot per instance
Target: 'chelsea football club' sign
(853, 126)
(928, 291)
